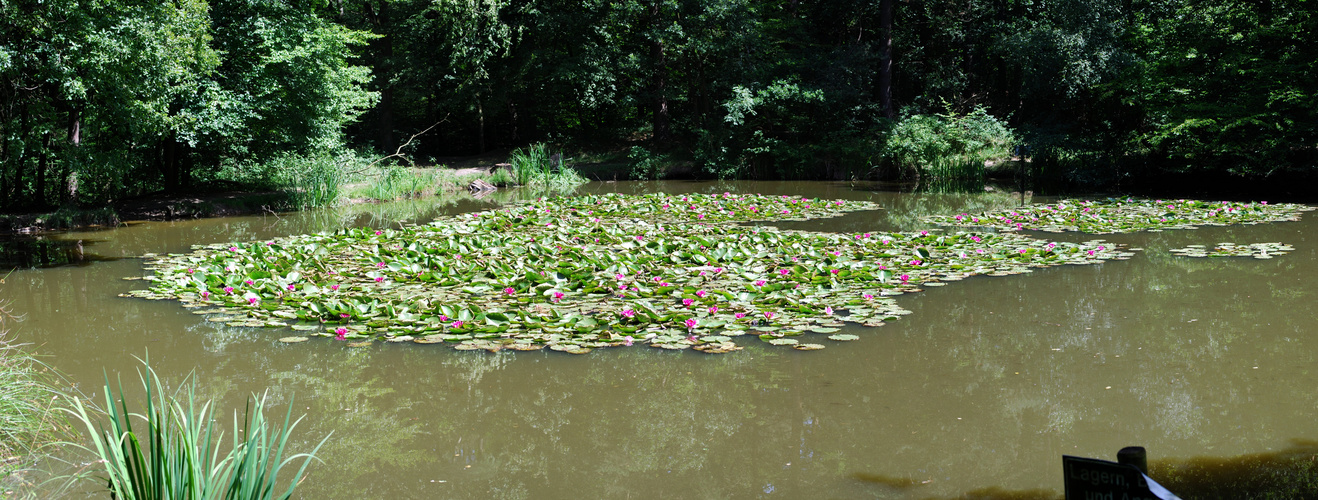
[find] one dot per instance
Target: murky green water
(986, 385)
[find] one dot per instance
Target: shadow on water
(1290, 473)
(40, 252)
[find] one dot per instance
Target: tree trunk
(171, 165)
(4, 162)
(512, 120)
(16, 182)
(659, 80)
(39, 197)
(885, 59)
(481, 110)
(384, 53)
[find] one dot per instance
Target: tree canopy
(105, 99)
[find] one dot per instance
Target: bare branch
(398, 153)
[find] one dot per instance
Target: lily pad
(293, 340)
(587, 271)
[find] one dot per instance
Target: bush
(646, 165)
(923, 141)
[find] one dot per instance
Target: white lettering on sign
(1097, 477)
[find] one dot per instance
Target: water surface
(985, 385)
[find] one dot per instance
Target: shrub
(923, 141)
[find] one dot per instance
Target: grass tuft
(27, 418)
(173, 449)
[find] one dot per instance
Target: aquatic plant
(28, 419)
(175, 452)
(1123, 215)
(1255, 250)
(578, 273)
(535, 166)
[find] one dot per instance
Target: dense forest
(107, 99)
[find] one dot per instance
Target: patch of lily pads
(1123, 215)
(574, 274)
(1255, 250)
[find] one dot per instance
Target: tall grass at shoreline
(535, 166)
(28, 418)
(175, 451)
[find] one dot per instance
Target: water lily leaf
(293, 340)
(843, 337)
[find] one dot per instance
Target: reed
(534, 166)
(172, 450)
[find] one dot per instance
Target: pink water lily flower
(687, 302)
(628, 313)
(379, 279)
(627, 341)
(340, 333)
(759, 283)
(713, 309)
(768, 314)
(251, 301)
(905, 278)
(784, 272)
(835, 271)
(292, 287)
(718, 270)
(868, 296)
(205, 295)
(509, 291)
(249, 282)
(690, 323)
(828, 310)
(345, 315)
(701, 294)
(558, 296)
(334, 287)
(379, 264)
(456, 324)
(228, 290)
(740, 315)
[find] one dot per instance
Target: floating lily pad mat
(579, 273)
(1124, 215)
(1255, 250)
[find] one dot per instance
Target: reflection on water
(22, 252)
(977, 394)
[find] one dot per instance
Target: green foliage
(1225, 87)
(646, 165)
(308, 181)
(942, 143)
(395, 183)
(174, 451)
(534, 165)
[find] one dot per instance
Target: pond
(981, 388)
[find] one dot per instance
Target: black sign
(1091, 479)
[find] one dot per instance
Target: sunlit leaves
(575, 274)
(1124, 215)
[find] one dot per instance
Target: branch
(398, 153)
